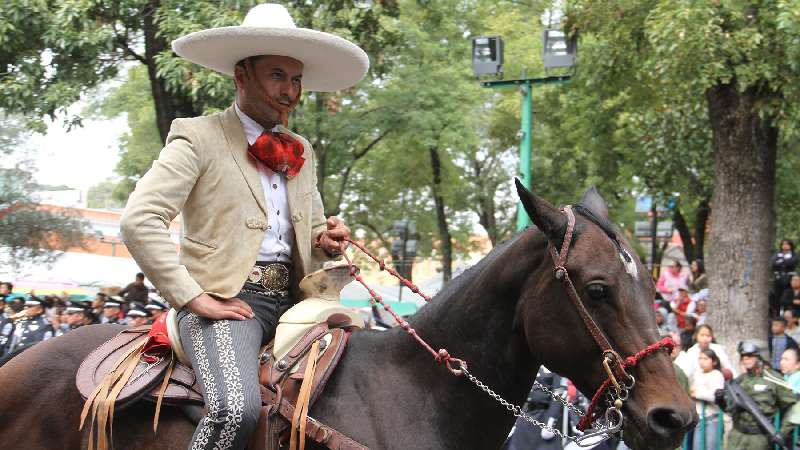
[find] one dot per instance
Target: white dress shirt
(279, 238)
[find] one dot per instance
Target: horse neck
(474, 319)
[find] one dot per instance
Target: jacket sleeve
(159, 196)
(318, 220)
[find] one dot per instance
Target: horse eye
(597, 291)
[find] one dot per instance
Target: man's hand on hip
(333, 240)
(209, 307)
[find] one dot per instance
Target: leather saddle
(294, 367)
(281, 382)
(146, 377)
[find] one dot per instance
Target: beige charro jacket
(204, 172)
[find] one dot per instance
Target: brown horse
(506, 316)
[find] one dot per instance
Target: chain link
(514, 409)
(604, 428)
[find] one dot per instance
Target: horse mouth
(638, 435)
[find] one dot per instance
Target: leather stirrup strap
(298, 429)
(161, 392)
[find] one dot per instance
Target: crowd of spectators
(31, 318)
(681, 311)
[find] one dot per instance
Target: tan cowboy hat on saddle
(330, 63)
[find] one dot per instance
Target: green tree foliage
(101, 196)
(28, 233)
(707, 92)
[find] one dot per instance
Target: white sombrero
(330, 63)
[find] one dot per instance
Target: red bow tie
(278, 151)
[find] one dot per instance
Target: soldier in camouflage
(769, 397)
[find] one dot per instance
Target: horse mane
(604, 224)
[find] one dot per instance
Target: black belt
(274, 277)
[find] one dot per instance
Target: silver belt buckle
(273, 277)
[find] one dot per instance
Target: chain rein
(612, 421)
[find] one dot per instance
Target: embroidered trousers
(224, 355)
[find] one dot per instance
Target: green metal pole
(525, 150)
(702, 426)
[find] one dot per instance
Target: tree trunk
(701, 215)
(685, 234)
(446, 241)
(168, 106)
(743, 215)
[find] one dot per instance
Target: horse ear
(594, 202)
(544, 215)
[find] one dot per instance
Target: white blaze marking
(630, 264)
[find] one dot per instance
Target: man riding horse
(252, 216)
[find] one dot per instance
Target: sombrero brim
(330, 63)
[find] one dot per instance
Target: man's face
(795, 282)
(4, 289)
(33, 310)
(110, 313)
(278, 77)
(700, 307)
(778, 327)
(139, 280)
(75, 318)
(749, 361)
(136, 321)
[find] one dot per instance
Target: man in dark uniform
(157, 306)
(77, 315)
(111, 310)
(137, 316)
(29, 330)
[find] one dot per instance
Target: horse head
(616, 292)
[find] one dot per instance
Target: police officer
(77, 314)
(111, 310)
(32, 327)
(769, 398)
(157, 306)
(137, 316)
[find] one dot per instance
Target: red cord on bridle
(631, 361)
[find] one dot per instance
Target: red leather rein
(615, 366)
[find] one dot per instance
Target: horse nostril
(665, 421)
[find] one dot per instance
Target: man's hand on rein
(334, 239)
(209, 307)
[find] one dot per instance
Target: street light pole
(525, 148)
(526, 122)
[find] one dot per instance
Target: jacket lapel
(237, 143)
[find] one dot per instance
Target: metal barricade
(701, 431)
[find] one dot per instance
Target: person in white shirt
(704, 338)
(704, 384)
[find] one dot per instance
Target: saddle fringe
(102, 399)
(298, 430)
